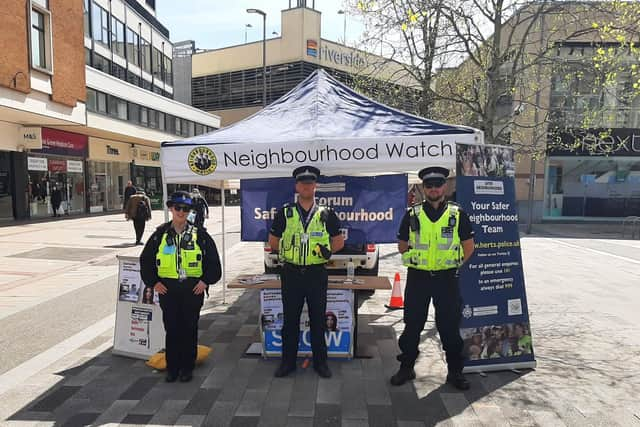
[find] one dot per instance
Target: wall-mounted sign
(337, 56)
(595, 142)
(145, 156)
(74, 166)
(31, 138)
(63, 143)
(37, 164)
(57, 165)
(108, 150)
(312, 48)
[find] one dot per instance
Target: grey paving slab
(327, 415)
(303, 397)
(459, 408)
(85, 376)
(221, 414)
(329, 391)
(202, 401)
(262, 375)
(140, 388)
(137, 419)
(190, 420)
(251, 403)
(280, 393)
(273, 416)
(410, 424)
(54, 399)
(68, 254)
(300, 422)
(354, 405)
(546, 418)
(354, 423)
(169, 412)
(244, 421)
(376, 391)
(247, 330)
(381, 416)
(163, 391)
(81, 419)
(116, 412)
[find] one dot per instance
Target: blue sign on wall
(370, 208)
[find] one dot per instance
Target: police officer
(180, 261)
(435, 239)
(305, 234)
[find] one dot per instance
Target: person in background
(56, 200)
(201, 207)
(129, 191)
(138, 210)
(180, 261)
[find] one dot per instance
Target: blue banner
(369, 208)
(495, 321)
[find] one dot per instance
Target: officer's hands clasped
(323, 251)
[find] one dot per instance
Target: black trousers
(180, 315)
(442, 287)
(138, 225)
(299, 285)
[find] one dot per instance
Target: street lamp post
(264, 53)
(247, 26)
(344, 25)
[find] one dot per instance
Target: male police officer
(435, 239)
(305, 235)
(179, 262)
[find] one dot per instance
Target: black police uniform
(442, 287)
(180, 306)
(300, 283)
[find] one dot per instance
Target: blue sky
(218, 23)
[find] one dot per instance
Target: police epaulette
(415, 205)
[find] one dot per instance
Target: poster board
(339, 318)
(139, 331)
(495, 317)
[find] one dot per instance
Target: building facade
(228, 82)
(577, 135)
(85, 101)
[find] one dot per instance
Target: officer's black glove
(323, 250)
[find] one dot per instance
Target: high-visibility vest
(434, 246)
(292, 248)
(170, 258)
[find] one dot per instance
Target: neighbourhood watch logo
(202, 160)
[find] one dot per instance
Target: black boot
(458, 381)
(284, 370)
(322, 369)
(404, 374)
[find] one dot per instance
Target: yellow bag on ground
(159, 361)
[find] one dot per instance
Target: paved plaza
(57, 299)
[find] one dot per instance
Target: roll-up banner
(369, 208)
(495, 319)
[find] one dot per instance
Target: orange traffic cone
(396, 302)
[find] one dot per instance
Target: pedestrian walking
(180, 261)
(138, 210)
(305, 234)
(435, 238)
(201, 207)
(129, 191)
(56, 200)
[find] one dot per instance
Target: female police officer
(305, 234)
(179, 261)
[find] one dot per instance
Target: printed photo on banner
(484, 160)
(129, 291)
(149, 296)
(497, 341)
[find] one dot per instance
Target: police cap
(434, 174)
(180, 197)
(306, 174)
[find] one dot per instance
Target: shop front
(6, 203)
(147, 174)
(598, 179)
(109, 169)
(57, 172)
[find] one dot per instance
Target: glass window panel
(38, 57)
(92, 101)
(102, 103)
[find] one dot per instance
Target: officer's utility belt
(437, 273)
(303, 268)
